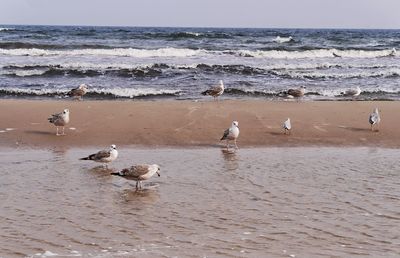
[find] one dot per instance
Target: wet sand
(257, 202)
(190, 123)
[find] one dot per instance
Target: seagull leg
(63, 133)
(57, 131)
(236, 147)
(137, 185)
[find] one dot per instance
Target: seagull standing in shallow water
(232, 133)
(60, 119)
(139, 173)
(374, 118)
(215, 91)
(287, 126)
(104, 156)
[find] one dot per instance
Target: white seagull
(297, 92)
(215, 91)
(353, 92)
(232, 133)
(60, 119)
(374, 118)
(78, 93)
(287, 126)
(104, 156)
(139, 173)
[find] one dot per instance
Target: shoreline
(185, 123)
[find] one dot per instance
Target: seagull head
(66, 111)
(158, 169)
(235, 123)
(221, 83)
(113, 146)
(83, 87)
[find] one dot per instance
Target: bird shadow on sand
(40, 132)
(355, 129)
(276, 133)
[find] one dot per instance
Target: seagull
(104, 156)
(78, 93)
(297, 92)
(232, 133)
(215, 91)
(374, 118)
(139, 173)
(353, 92)
(60, 119)
(287, 126)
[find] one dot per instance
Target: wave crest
(102, 93)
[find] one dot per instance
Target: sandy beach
(201, 123)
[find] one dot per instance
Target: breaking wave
(100, 93)
(9, 50)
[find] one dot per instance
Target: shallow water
(262, 202)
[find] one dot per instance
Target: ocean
(180, 63)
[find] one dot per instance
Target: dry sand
(190, 123)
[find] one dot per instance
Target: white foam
(127, 52)
(6, 29)
(132, 92)
(316, 53)
(339, 75)
(280, 39)
(23, 73)
(48, 254)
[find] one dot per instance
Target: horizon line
(203, 27)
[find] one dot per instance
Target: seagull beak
(158, 173)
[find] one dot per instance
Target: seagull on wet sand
(232, 133)
(139, 173)
(297, 92)
(104, 156)
(374, 118)
(287, 126)
(215, 91)
(60, 119)
(78, 92)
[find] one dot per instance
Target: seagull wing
(226, 133)
(135, 171)
(55, 117)
(102, 154)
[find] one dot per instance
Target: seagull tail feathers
(207, 92)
